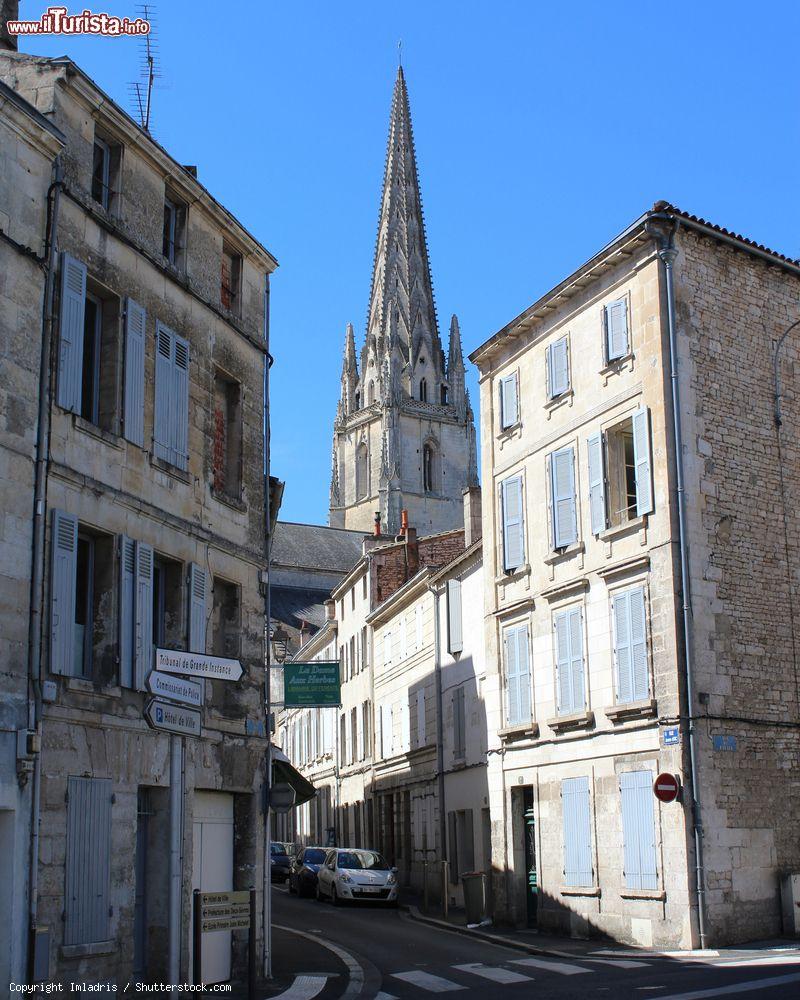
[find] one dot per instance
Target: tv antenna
(149, 70)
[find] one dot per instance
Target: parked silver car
(353, 874)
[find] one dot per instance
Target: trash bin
(474, 884)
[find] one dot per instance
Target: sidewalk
(537, 943)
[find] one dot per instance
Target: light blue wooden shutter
(638, 830)
(513, 525)
(617, 329)
(455, 639)
(557, 368)
(578, 869)
(198, 595)
(642, 461)
(562, 479)
(88, 861)
(638, 633)
(127, 610)
(509, 401)
(143, 660)
(162, 423)
(70, 333)
(569, 661)
(518, 678)
(64, 552)
(180, 419)
(597, 483)
(135, 325)
(622, 646)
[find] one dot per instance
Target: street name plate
(312, 684)
(219, 668)
(175, 688)
(173, 718)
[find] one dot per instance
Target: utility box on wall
(790, 904)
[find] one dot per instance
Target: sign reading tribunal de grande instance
(311, 685)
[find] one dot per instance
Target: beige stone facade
(583, 593)
(155, 457)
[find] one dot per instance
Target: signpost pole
(197, 927)
(251, 948)
(175, 834)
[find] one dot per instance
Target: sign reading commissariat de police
(218, 668)
(314, 684)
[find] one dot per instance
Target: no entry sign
(666, 787)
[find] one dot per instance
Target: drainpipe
(663, 227)
(175, 845)
(38, 552)
(266, 918)
(437, 669)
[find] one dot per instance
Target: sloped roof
(314, 546)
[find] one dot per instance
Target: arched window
(444, 395)
(358, 400)
(428, 460)
(362, 471)
(370, 392)
(423, 390)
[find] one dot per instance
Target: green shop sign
(314, 684)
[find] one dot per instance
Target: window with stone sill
(173, 244)
(227, 443)
(106, 162)
(230, 280)
(226, 619)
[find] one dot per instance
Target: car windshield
(314, 856)
(278, 849)
(366, 860)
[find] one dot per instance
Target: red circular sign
(666, 787)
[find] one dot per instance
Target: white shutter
(597, 484)
(162, 425)
(135, 325)
(405, 725)
(143, 645)
(127, 610)
(562, 479)
(509, 401)
(198, 596)
(418, 622)
(523, 661)
(459, 724)
(180, 419)
(387, 647)
(513, 523)
(402, 635)
(421, 727)
(64, 554)
(642, 461)
(617, 329)
(455, 638)
(70, 333)
(557, 368)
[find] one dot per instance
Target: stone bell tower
(404, 434)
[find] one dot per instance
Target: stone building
(640, 594)
(29, 146)
(154, 512)
(404, 435)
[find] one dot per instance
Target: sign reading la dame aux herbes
(314, 684)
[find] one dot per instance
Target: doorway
(212, 871)
(531, 873)
(140, 921)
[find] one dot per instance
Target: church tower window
(428, 468)
(370, 392)
(362, 471)
(423, 390)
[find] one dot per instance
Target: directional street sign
(173, 718)
(225, 911)
(219, 668)
(175, 688)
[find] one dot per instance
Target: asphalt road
(409, 960)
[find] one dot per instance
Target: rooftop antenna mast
(149, 69)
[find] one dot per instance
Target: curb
(357, 975)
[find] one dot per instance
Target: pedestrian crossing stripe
(495, 973)
(562, 968)
(427, 981)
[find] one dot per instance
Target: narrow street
(408, 960)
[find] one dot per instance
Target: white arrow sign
(176, 688)
(173, 718)
(219, 668)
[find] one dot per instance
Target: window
(405, 725)
(423, 390)
(443, 395)
(518, 675)
(88, 861)
(169, 617)
(509, 401)
(462, 844)
(364, 587)
(638, 830)
(342, 740)
(82, 633)
(421, 724)
(225, 619)
(353, 663)
(630, 645)
(171, 420)
(568, 628)
(578, 869)
(418, 626)
(558, 368)
(387, 736)
(227, 453)
(430, 468)
(562, 497)
(364, 648)
(230, 280)
(174, 232)
(362, 471)
(513, 524)
(199, 586)
(620, 475)
(455, 638)
(387, 647)
(459, 724)
(353, 598)
(615, 330)
(366, 748)
(106, 159)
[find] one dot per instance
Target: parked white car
(355, 874)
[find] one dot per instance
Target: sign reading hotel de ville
(311, 685)
(218, 668)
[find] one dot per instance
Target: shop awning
(283, 771)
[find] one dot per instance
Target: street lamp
(280, 644)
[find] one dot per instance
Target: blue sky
(542, 130)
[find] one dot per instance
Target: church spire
(348, 402)
(402, 313)
(455, 370)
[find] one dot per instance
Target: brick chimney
(409, 537)
(9, 11)
(473, 527)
